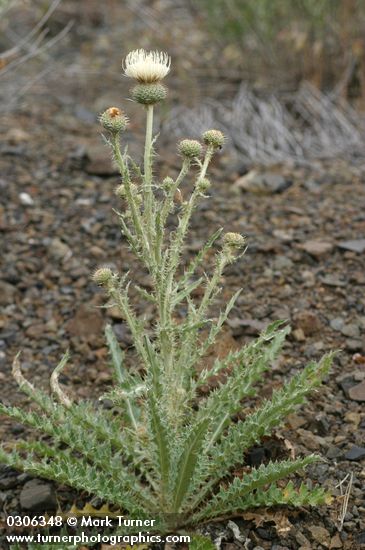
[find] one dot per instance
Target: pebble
(26, 199)
(351, 330)
(302, 540)
(263, 183)
(282, 262)
(333, 280)
(356, 245)
(8, 293)
(308, 321)
(355, 453)
(59, 250)
(317, 248)
(38, 496)
(336, 542)
(283, 235)
(354, 345)
(333, 452)
(86, 322)
(320, 534)
(99, 161)
(337, 323)
(357, 392)
(17, 135)
(310, 440)
(8, 482)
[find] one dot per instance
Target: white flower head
(147, 67)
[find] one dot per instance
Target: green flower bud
(114, 120)
(103, 276)
(203, 185)
(234, 240)
(190, 148)
(149, 94)
(167, 183)
(215, 138)
(120, 191)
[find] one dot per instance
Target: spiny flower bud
(215, 138)
(203, 185)
(103, 276)
(190, 148)
(114, 120)
(138, 199)
(120, 191)
(234, 240)
(167, 183)
(149, 94)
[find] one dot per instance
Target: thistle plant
(164, 451)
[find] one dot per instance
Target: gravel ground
(305, 263)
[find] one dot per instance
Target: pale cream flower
(147, 67)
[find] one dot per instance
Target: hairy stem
(148, 195)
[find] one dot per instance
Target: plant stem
(148, 171)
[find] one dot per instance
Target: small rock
(282, 262)
(332, 280)
(263, 183)
(320, 534)
(26, 199)
(86, 322)
(308, 322)
(8, 293)
(96, 251)
(302, 540)
(36, 331)
(346, 383)
(8, 482)
(295, 421)
(337, 323)
(16, 136)
(37, 497)
(299, 335)
(336, 542)
(357, 392)
(245, 326)
(99, 162)
(351, 330)
(59, 250)
(115, 313)
(353, 418)
(357, 245)
(282, 235)
(310, 440)
(123, 334)
(355, 453)
(316, 248)
(354, 345)
(333, 452)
